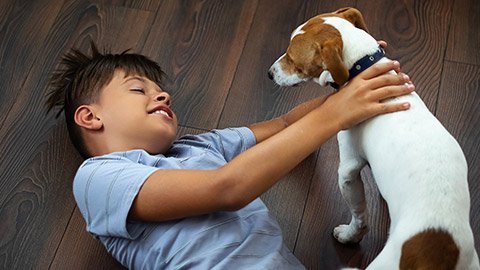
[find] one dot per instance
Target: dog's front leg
(351, 187)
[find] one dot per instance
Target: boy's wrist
(330, 115)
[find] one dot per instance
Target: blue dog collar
(362, 64)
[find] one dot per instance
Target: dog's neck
(357, 44)
(361, 65)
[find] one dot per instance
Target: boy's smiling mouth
(162, 110)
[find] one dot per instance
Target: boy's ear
(86, 117)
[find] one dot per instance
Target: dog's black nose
(270, 75)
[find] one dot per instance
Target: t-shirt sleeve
(104, 190)
(231, 142)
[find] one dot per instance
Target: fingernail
(410, 87)
(405, 76)
(406, 105)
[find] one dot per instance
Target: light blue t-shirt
(105, 187)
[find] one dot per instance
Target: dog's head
(315, 47)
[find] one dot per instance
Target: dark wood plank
(22, 30)
(286, 200)
(464, 37)
(34, 207)
(198, 44)
(149, 5)
(459, 111)
(6, 10)
(416, 33)
(36, 201)
(326, 209)
(115, 21)
(253, 98)
(107, 26)
(79, 250)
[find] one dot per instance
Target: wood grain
(286, 200)
(464, 38)
(79, 250)
(326, 209)
(459, 112)
(416, 33)
(37, 203)
(34, 209)
(216, 54)
(200, 61)
(148, 5)
(22, 30)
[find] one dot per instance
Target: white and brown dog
(419, 167)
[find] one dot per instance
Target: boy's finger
(388, 80)
(392, 91)
(392, 107)
(379, 69)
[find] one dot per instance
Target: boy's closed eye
(139, 90)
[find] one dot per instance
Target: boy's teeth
(162, 112)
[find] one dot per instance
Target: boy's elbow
(231, 192)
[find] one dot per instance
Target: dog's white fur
(419, 167)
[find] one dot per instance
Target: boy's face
(136, 114)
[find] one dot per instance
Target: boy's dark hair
(81, 79)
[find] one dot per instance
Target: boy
(156, 203)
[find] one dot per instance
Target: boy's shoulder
(226, 143)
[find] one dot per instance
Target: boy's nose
(163, 97)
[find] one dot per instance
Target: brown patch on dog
(429, 250)
(320, 47)
(354, 16)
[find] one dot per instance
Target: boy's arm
(264, 130)
(171, 194)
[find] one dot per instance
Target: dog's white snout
(280, 77)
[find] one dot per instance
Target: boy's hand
(360, 99)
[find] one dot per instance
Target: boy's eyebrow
(133, 78)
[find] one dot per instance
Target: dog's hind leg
(351, 187)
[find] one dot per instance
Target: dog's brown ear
(354, 16)
(332, 57)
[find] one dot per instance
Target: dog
(419, 168)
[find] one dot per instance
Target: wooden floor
(216, 54)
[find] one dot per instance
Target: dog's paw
(348, 234)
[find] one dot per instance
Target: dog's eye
(299, 70)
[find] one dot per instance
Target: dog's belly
(417, 164)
